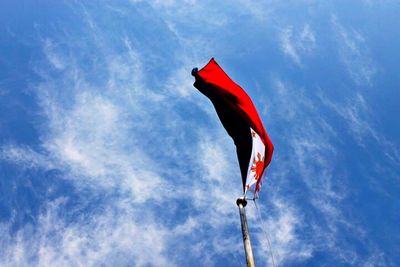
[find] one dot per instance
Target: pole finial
(194, 71)
(241, 200)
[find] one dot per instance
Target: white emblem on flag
(256, 164)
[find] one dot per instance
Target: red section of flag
(238, 100)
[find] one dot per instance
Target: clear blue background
(110, 157)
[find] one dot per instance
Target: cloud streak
(297, 44)
(354, 53)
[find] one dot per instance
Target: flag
(240, 119)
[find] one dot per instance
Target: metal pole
(241, 202)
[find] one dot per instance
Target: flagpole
(242, 202)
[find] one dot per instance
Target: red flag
(240, 119)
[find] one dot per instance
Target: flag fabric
(240, 119)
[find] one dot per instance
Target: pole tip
(242, 201)
(194, 72)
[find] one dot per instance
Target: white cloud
(354, 53)
(297, 44)
(25, 156)
(286, 244)
(360, 121)
(309, 159)
(113, 237)
(355, 112)
(114, 137)
(54, 58)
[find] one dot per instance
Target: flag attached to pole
(240, 119)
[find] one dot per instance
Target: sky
(110, 157)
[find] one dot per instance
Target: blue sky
(110, 157)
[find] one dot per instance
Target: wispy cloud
(281, 229)
(104, 136)
(25, 157)
(310, 164)
(54, 58)
(296, 44)
(354, 53)
(361, 123)
(104, 239)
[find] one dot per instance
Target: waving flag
(240, 119)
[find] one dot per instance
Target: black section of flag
(234, 124)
